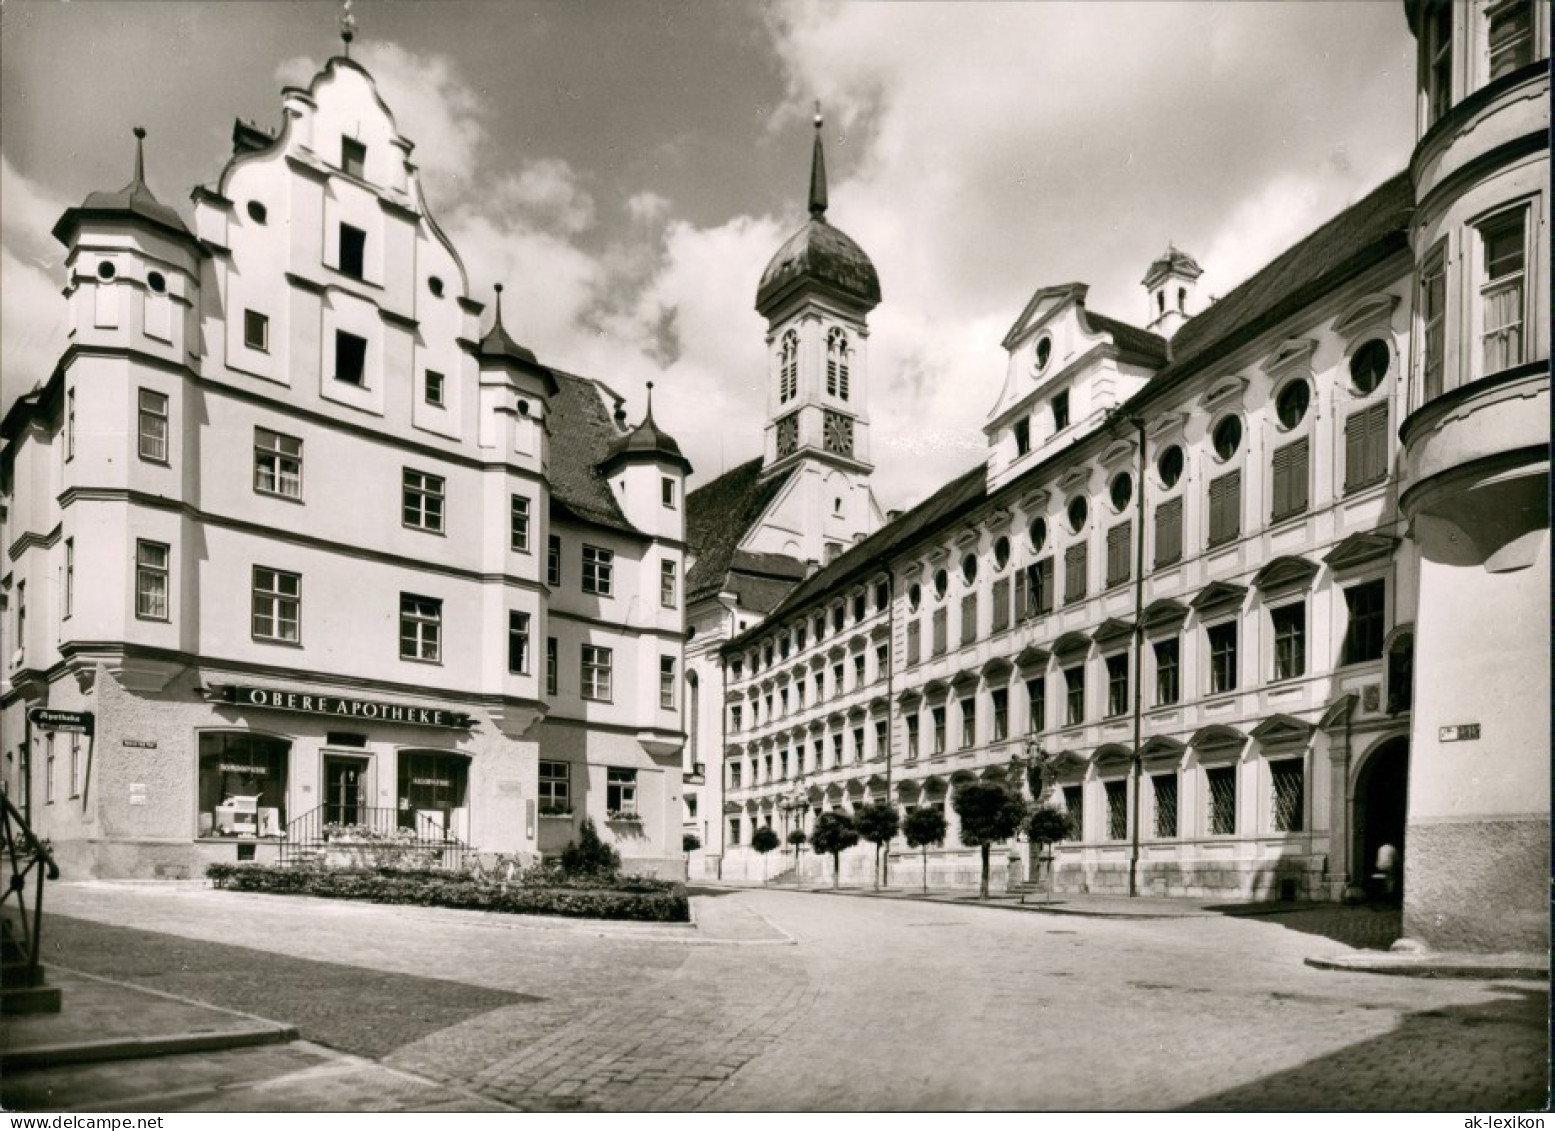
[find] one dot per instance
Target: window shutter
(914, 641)
(969, 618)
(1074, 573)
(1119, 541)
(1168, 532)
(940, 621)
(1024, 604)
(1225, 508)
(1290, 479)
(1001, 604)
(1366, 446)
(1043, 586)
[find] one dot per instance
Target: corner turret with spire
(648, 471)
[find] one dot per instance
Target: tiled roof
(582, 434)
(1377, 224)
(1130, 339)
(718, 515)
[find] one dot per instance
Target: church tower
(816, 295)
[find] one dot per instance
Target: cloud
(32, 313)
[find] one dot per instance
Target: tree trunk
(877, 867)
(836, 870)
(987, 850)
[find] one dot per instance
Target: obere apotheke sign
(341, 707)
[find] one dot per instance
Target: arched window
(788, 372)
(837, 364)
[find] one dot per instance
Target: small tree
(797, 839)
(588, 854)
(925, 826)
(764, 840)
(989, 812)
(877, 823)
(689, 843)
(833, 834)
(1045, 827)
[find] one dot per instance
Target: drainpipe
(723, 749)
(1139, 641)
(890, 691)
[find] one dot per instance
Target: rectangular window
(940, 632)
(836, 749)
(1289, 468)
(1120, 541)
(242, 785)
(882, 660)
(552, 664)
(1168, 685)
(1290, 640)
(1036, 705)
(350, 358)
(1074, 695)
(859, 665)
(914, 641)
(1168, 532)
(69, 602)
(1511, 36)
(77, 764)
(421, 628)
(667, 682)
(734, 778)
(820, 686)
(256, 331)
(837, 686)
(1221, 781)
(422, 501)
(858, 744)
(1001, 713)
(1363, 637)
(21, 615)
(1041, 587)
(1001, 605)
(1225, 508)
(434, 391)
(596, 672)
(1074, 809)
(1436, 44)
(518, 524)
(277, 464)
(518, 642)
(969, 619)
(1222, 657)
(1075, 566)
(1164, 786)
(736, 718)
(938, 715)
(667, 492)
(1117, 685)
(1366, 447)
(1501, 294)
(1433, 321)
(1022, 436)
(968, 723)
(1117, 809)
(1061, 411)
(70, 424)
(353, 250)
(667, 585)
(277, 605)
(353, 156)
(555, 795)
(621, 791)
(153, 426)
(912, 736)
(151, 582)
(860, 606)
(881, 738)
(1288, 778)
(598, 570)
(734, 830)
(553, 561)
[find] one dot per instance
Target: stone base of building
(1479, 886)
(1231, 879)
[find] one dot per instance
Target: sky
(627, 167)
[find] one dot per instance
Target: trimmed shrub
(538, 891)
(588, 854)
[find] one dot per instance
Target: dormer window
(353, 157)
(788, 368)
(837, 364)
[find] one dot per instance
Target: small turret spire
(496, 323)
(648, 412)
(818, 171)
(140, 155)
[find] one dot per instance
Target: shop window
(518, 524)
(1501, 292)
(353, 249)
(1290, 475)
(1117, 685)
(421, 628)
(597, 671)
(1117, 809)
(1221, 784)
(350, 358)
(1168, 673)
(555, 796)
(1290, 640)
(277, 605)
(1288, 778)
(152, 567)
(1164, 786)
(1366, 629)
(277, 464)
(153, 426)
(1074, 695)
(243, 779)
(421, 501)
(1168, 532)
(598, 570)
(1074, 810)
(432, 792)
(518, 642)
(1036, 705)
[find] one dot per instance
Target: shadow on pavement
(1363, 926)
(1419, 1065)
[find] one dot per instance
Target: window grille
(1222, 800)
(1165, 788)
(1117, 810)
(1289, 781)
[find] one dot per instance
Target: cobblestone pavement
(890, 1004)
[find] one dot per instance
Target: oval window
(1038, 534)
(1122, 490)
(1078, 510)
(1001, 553)
(1369, 365)
(257, 212)
(1170, 466)
(1044, 353)
(915, 597)
(435, 285)
(156, 281)
(1228, 437)
(969, 568)
(106, 270)
(941, 583)
(1291, 404)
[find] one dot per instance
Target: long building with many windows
(297, 555)
(1255, 592)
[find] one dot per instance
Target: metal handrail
(369, 826)
(22, 852)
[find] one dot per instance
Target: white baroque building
(313, 549)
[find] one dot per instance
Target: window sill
(276, 641)
(424, 529)
(278, 495)
(420, 660)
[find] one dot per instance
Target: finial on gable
(347, 26)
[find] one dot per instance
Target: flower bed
(535, 892)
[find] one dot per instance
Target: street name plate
(1463, 732)
(139, 743)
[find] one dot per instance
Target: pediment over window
(934, 783)
(1337, 713)
(910, 696)
(818, 661)
(1366, 312)
(1160, 746)
(875, 782)
(1117, 452)
(905, 789)
(1067, 763)
(1030, 657)
(1034, 503)
(996, 669)
(879, 705)
(1075, 479)
(817, 726)
(855, 788)
(1217, 739)
(963, 680)
(1359, 550)
(1041, 307)
(1282, 730)
(962, 776)
(857, 711)
(734, 751)
(1111, 753)
(1112, 629)
(966, 538)
(1293, 353)
(1071, 643)
(1166, 424)
(732, 807)
(1216, 595)
(998, 519)
(1226, 391)
(836, 718)
(816, 794)
(734, 695)
(1283, 573)
(834, 792)
(1165, 613)
(935, 689)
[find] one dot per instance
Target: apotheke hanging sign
(341, 707)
